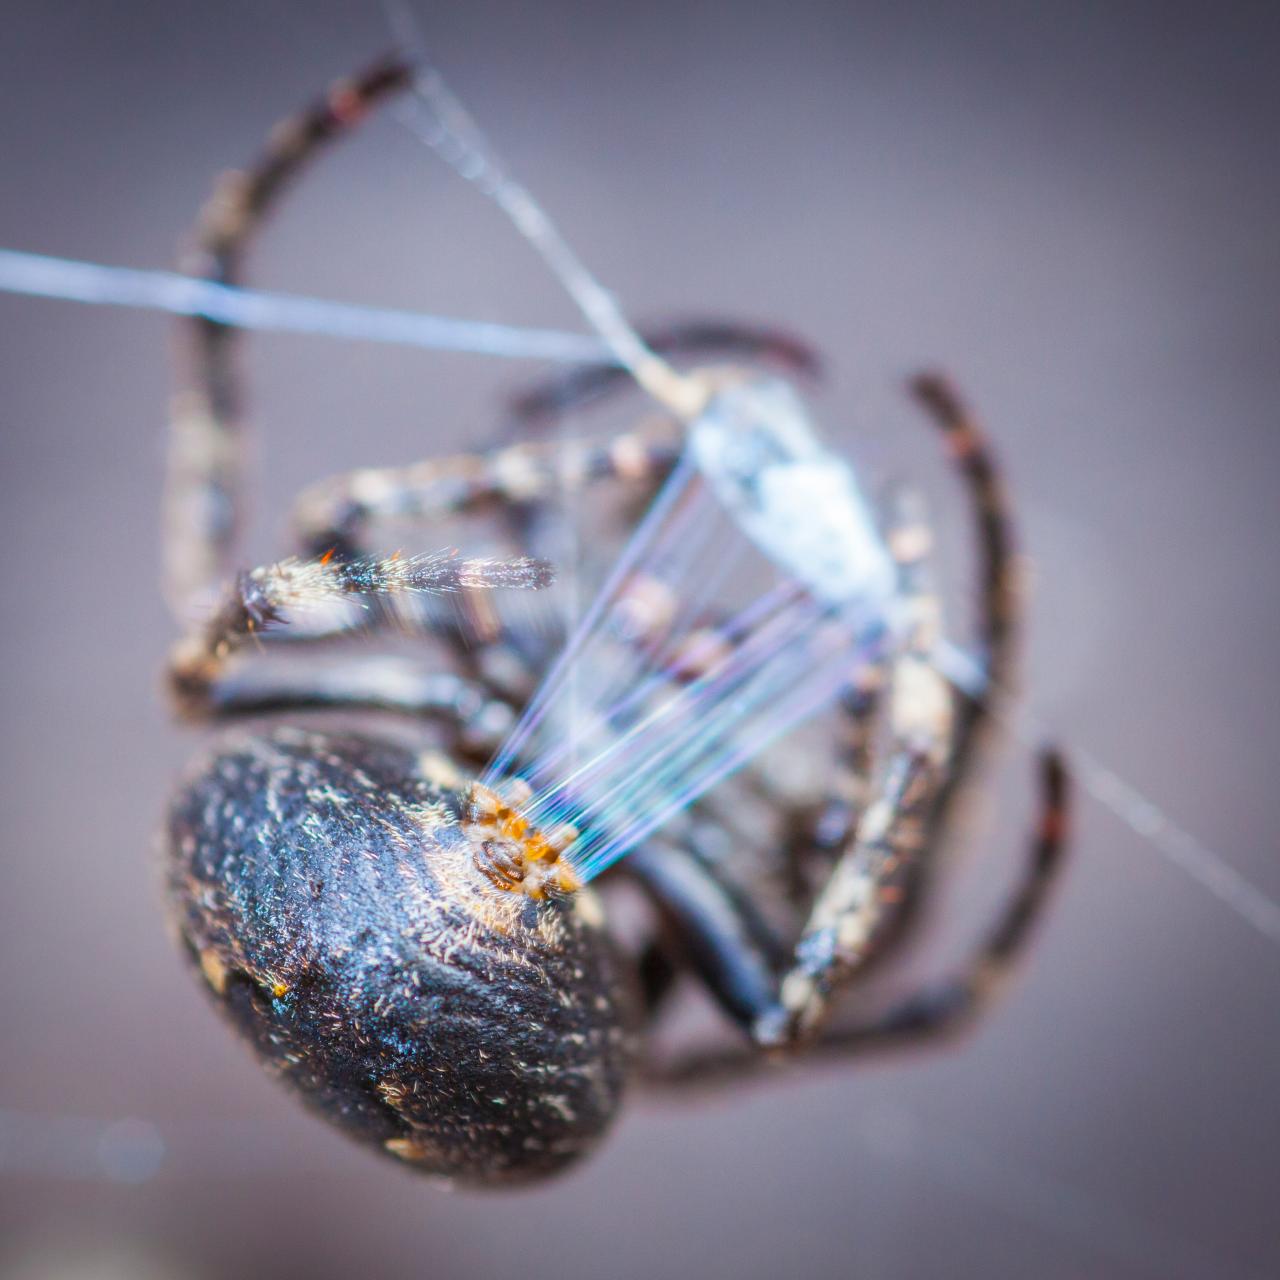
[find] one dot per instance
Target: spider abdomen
(325, 889)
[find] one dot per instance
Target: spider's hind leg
(952, 1004)
(942, 1008)
(859, 908)
(781, 999)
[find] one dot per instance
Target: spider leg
(999, 596)
(566, 391)
(722, 937)
(952, 1005)
(375, 682)
(859, 906)
(264, 600)
(966, 442)
(657, 971)
(334, 516)
(204, 501)
(781, 1003)
(819, 831)
(998, 615)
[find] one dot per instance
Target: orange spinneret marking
(537, 848)
(513, 854)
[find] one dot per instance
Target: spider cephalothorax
(404, 936)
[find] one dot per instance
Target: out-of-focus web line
(1144, 817)
(440, 120)
(41, 276)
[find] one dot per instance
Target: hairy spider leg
(943, 1008)
(852, 915)
(706, 339)
(999, 616)
(737, 969)
(998, 613)
(204, 500)
(779, 1004)
(338, 514)
(475, 719)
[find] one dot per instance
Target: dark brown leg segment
(205, 501)
(952, 1005)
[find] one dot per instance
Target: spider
(395, 940)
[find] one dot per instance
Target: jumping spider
(395, 940)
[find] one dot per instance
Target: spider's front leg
(210, 675)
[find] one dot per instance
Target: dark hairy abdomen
(324, 888)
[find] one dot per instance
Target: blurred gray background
(1073, 207)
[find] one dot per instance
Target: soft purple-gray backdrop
(1073, 207)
